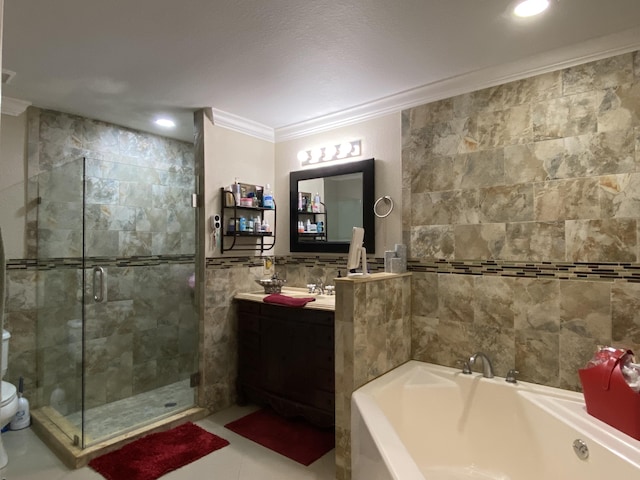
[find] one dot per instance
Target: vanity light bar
(330, 153)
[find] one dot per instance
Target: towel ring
(388, 200)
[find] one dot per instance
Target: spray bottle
(23, 417)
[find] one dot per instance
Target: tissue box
(609, 398)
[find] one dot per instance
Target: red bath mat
(295, 439)
(152, 456)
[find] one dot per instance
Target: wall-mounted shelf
(231, 236)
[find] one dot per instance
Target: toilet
(9, 401)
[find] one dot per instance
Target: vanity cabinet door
(286, 358)
(250, 367)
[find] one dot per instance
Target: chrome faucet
(487, 368)
(316, 287)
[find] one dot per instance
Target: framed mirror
(327, 202)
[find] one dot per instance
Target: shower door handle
(98, 277)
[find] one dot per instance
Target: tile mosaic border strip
(76, 262)
(231, 262)
(592, 271)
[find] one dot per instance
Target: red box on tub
(607, 394)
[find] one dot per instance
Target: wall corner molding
(14, 106)
(243, 125)
(558, 59)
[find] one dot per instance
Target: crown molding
(242, 125)
(13, 106)
(589, 51)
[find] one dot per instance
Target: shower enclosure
(117, 329)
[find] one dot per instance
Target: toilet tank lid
(5, 335)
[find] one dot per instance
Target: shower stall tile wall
(119, 200)
(138, 189)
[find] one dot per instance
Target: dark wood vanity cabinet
(286, 360)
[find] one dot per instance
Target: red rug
(152, 456)
(295, 439)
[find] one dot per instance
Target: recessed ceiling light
(165, 122)
(529, 8)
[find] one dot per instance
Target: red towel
(280, 299)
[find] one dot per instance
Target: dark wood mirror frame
(367, 168)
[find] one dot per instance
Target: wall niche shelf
(250, 238)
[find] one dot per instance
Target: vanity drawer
(245, 306)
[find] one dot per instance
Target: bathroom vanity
(286, 358)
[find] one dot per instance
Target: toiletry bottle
(22, 419)
(299, 201)
(237, 192)
(316, 203)
(267, 199)
(243, 224)
(308, 227)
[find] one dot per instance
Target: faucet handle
(511, 376)
(466, 368)
(311, 287)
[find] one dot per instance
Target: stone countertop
(322, 302)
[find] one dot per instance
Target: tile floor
(30, 459)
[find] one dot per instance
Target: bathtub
(423, 421)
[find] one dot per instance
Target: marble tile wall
(143, 336)
(542, 172)
(373, 336)
(21, 320)
(224, 278)
(140, 225)
(138, 189)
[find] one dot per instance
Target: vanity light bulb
(316, 153)
(303, 156)
(356, 149)
(345, 150)
(330, 152)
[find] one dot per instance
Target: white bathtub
(423, 421)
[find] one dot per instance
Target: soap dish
(271, 285)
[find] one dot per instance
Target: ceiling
(287, 65)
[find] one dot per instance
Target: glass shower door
(109, 218)
(117, 329)
(140, 315)
(58, 190)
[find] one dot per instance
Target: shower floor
(116, 418)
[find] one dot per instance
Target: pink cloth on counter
(280, 299)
